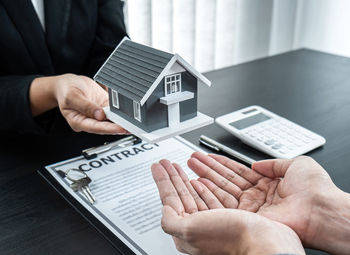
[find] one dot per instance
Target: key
(83, 186)
(80, 182)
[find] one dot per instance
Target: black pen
(220, 147)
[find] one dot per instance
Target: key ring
(69, 177)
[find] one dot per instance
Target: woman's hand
(229, 231)
(198, 228)
(296, 192)
(80, 100)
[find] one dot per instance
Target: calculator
(270, 133)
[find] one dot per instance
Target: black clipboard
(120, 247)
(88, 154)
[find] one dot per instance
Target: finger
(200, 203)
(167, 191)
(240, 169)
(171, 222)
(208, 197)
(226, 199)
(224, 169)
(79, 103)
(79, 122)
(204, 171)
(181, 189)
(272, 168)
(103, 86)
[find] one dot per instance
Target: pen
(124, 142)
(220, 147)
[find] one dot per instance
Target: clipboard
(91, 154)
(120, 247)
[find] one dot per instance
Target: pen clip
(92, 153)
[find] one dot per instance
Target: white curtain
(212, 34)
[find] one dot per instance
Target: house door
(174, 114)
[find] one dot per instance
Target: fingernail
(99, 115)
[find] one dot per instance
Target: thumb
(272, 168)
(86, 107)
(171, 221)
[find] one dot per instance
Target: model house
(149, 88)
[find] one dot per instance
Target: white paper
(127, 199)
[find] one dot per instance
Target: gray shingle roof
(132, 69)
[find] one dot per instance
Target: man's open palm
(281, 190)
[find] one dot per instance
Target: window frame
(137, 111)
(115, 99)
(171, 81)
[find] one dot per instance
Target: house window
(172, 84)
(137, 111)
(115, 99)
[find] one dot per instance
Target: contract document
(127, 199)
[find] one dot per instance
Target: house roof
(134, 70)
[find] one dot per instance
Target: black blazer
(80, 35)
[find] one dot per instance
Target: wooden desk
(308, 87)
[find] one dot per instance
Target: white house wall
(176, 68)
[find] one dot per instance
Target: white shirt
(39, 9)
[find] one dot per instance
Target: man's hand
(79, 99)
(297, 192)
(199, 227)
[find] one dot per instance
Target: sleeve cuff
(25, 122)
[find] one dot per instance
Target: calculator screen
(249, 121)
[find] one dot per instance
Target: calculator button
(306, 140)
(270, 142)
(313, 137)
(260, 138)
(278, 138)
(307, 135)
(290, 133)
(252, 134)
(282, 151)
(288, 144)
(274, 131)
(280, 134)
(297, 135)
(298, 143)
(267, 137)
(277, 146)
(290, 139)
(289, 147)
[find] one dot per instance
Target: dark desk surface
(308, 87)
